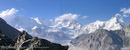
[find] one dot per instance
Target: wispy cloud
(124, 12)
(117, 15)
(84, 17)
(68, 16)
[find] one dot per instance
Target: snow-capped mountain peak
(37, 20)
(93, 26)
(112, 24)
(114, 20)
(35, 27)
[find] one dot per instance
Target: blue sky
(50, 9)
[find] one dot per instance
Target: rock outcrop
(103, 40)
(126, 41)
(24, 41)
(99, 40)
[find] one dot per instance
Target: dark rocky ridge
(5, 41)
(8, 30)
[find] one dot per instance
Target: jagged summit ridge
(112, 24)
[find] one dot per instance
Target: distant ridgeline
(12, 39)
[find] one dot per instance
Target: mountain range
(70, 32)
(61, 30)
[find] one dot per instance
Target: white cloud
(9, 14)
(125, 11)
(68, 16)
(84, 17)
(125, 15)
(117, 15)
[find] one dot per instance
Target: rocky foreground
(23, 40)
